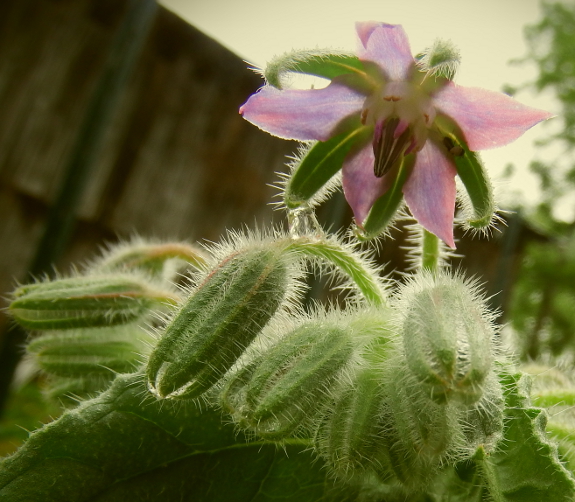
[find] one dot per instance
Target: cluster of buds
(398, 391)
(395, 388)
(90, 327)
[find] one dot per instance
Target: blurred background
(120, 118)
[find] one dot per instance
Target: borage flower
(406, 127)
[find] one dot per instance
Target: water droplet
(303, 223)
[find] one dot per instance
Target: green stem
(353, 265)
(430, 251)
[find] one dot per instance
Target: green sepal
(384, 210)
(312, 62)
(477, 183)
(319, 164)
(85, 302)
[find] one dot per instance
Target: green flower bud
(284, 388)
(83, 352)
(214, 326)
(151, 258)
(419, 435)
(85, 302)
(448, 336)
(440, 60)
(348, 436)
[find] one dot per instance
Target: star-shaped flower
(406, 112)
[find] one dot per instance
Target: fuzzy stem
(346, 260)
(430, 251)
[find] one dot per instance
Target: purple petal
(360, 185)
(430, 192)
(488, 119)
(302, 114)
(365, 29)
(386, 45)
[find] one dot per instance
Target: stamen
(386, 147)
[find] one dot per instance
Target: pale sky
(488, 33)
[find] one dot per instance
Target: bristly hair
(282, 185)
(469, 220)
(413, 249)
(279, 68)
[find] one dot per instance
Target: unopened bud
(148, 257)
(215, 325)
(440, 60)
(447, 336)
(283, 389)
(348, 436)
(86, 352)
(83, 302)
(419, 435)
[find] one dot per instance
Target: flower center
(401, 114)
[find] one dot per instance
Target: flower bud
(440, 60)
(419, 435)
(214, 326)
(151, 258)
(84, 352)
(348, 435)
(83, 302)
(285, 387)
(447, 336)
(483, 422)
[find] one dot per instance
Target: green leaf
(321, 63)
(384, 211)
(525, 467)
(319, 164)
(125, 445)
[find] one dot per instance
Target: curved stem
(352, 264)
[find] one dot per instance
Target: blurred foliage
(542, 309)
(551, 45)
(28, 408)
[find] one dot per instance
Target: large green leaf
(525, 467)
(125, 445)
